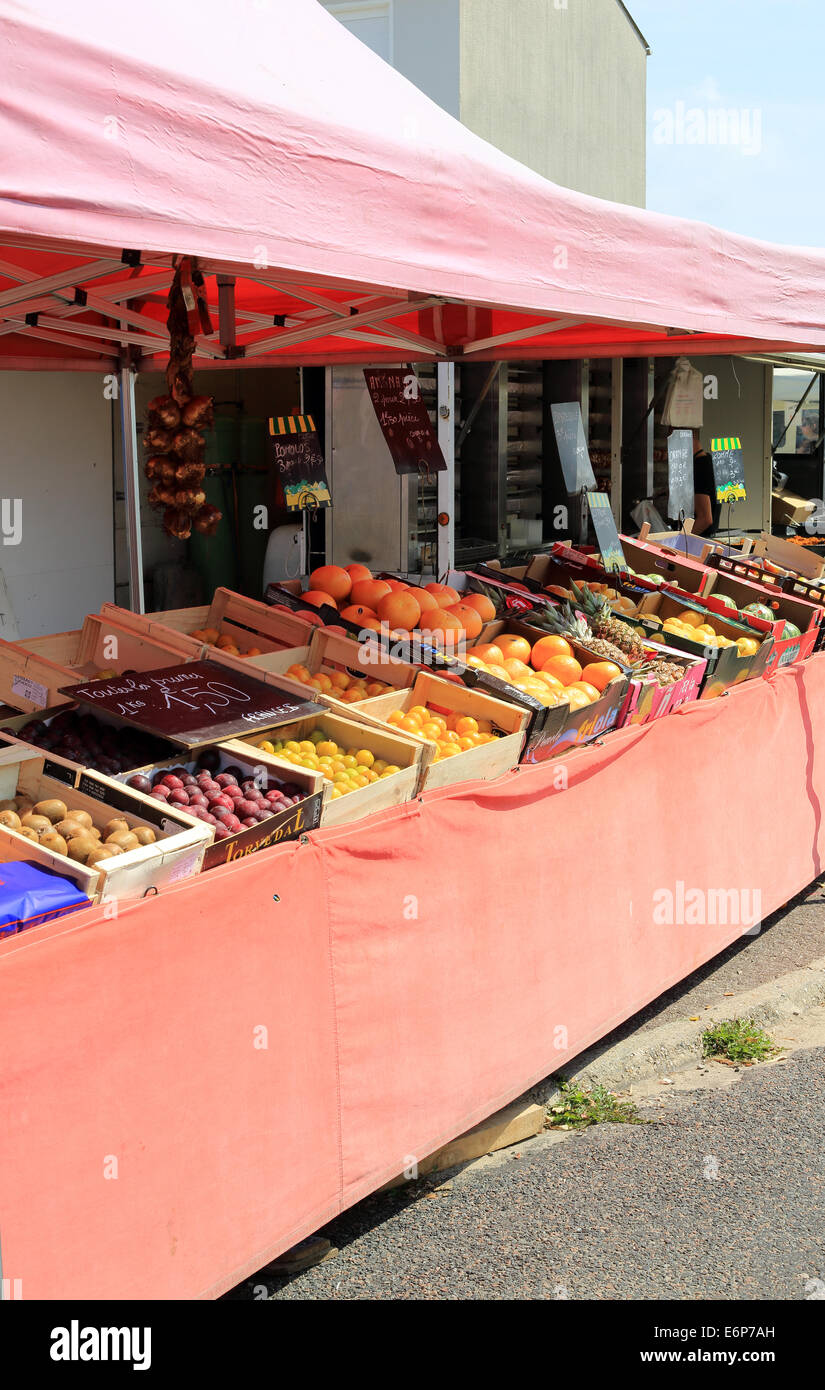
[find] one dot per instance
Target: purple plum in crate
(209, 759)
(226, 779)
(222, 832)
(140, 783)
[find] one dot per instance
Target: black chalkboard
(607, 536)
(193, 704)
(680, 489)
(728, 469)
(404, 421)
(299, 462)
(576, 467)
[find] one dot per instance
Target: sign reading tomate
(404, 420)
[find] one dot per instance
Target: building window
(371, 22)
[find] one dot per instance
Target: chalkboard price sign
(405, 423)
(607, 536)
(576, 467)
(299, 461)
(193, 704)
(728, 469)
(680, 490)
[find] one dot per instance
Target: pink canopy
(359, 220)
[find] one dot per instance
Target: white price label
(30, 690)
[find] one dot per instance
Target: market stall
(208, 1062)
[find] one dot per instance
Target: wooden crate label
(30, 690)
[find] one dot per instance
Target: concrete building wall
(558, 84)
(560, 88)
(56, 463)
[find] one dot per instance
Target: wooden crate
(350, 732)
(445, 697)
(286, 825)
(33, 672)
(176, 855)
(247, 622)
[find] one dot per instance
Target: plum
(226, 779)
(221, 800)
(172, 781)
(178, 796)
(233, 771)
(221, 832)
(246, 808)
(140, 783)
(249, 822)
(209, 759)
(233, 822)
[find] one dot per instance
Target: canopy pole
(131, 487)
(445, 524)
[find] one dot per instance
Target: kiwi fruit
(52, 809)
(24, 806)
(81, 847)
(101, 852)
(124, 838)
(69, 828)
(10, 819)
(9, 805)
(145, 834)
(83, 817)
(39, 823)
(51, 840)
(116, 823)
(29, 833)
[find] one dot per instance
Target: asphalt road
(615, 1212)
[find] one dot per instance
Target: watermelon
(790, 630)
(726, 599)
(759, 610)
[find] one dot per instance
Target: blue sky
(764, 60)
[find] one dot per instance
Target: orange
(400, 609)
(331, 579)
(315, 597)
(547, 647)
(516, 669)
(396, 585)
(552, 682)
(395, 716)
(494, 669)
(370, 592)
(365, 758)
(564, 668)
(431, 731)
(439, 620)
(339, 679)
(358, 572)
(357, 613)
(300, 673)
(576, 698)
(425, 599)
(587, 689)
(419, 712)
(466, 725)
(444, 595)
(410, 726)
(511, 646)
(470, 620)
(488, 651)
(600, 673)
(484, 606)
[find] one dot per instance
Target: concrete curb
(661, 1050)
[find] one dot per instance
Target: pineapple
(606, 626)
(564, 621)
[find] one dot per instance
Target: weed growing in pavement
(737, 1040)
(579, 1108)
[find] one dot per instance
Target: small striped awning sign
(291, 424)
(719, 446)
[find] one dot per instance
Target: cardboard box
(560, 729)
(33, 672)
(177, 854)
(285, 825)
(725, 666)
(486, 762)
(352, 732)
(787, 509)
(646, 700)
(797, 559)
(645, 558)
(786, 608)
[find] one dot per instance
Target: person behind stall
(706, 510)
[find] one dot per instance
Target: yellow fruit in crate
(706, 630)
(691, 617)
(364, 757)
(327, 749)
(292, 746)
(339, 680)
(748, 646)
(390, 770)
(300, 673)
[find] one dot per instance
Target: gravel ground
(616, 1212)
(791, 938)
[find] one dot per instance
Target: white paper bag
(684, 402)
